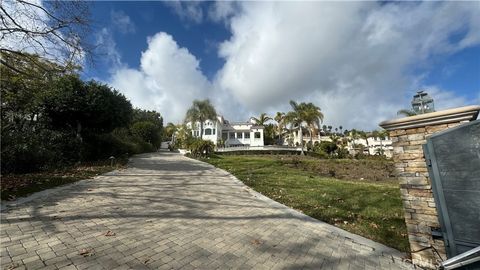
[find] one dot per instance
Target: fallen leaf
(110, 233)
(256, 242)
(146, 261)
(86, 252)
(373, 225)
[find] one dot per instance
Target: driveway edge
(375, 246)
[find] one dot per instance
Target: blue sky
(149, 18)
(360, 62)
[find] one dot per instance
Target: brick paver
(170, 212)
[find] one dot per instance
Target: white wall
(235, 129)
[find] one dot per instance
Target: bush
(326, 147)
(201, 148)
(35, 150)
(103, 146)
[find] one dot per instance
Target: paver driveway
(170, 212)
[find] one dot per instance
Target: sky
(360, 62)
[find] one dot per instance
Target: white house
(373, 145)
(229, 134)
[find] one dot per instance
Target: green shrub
(35, 150)
(201, 148)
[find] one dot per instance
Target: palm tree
(170, 129)
(340, 127)
(200, 111)
(302, 113)
(407, 112)
(382, 134)
(364, 135)
(295, 119)
(280, 119)
(262, 119)
(313, 117)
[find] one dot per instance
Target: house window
(257, 135)
(213, 131)
(225, 135)
(232, 135)
(208, 131)
(246, 135)
(196, 133)
(239, 135)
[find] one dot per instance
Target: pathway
(170, 212)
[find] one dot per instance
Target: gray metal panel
(455, 174)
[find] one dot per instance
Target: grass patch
(21, 185)
(368, 207)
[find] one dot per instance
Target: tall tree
(302, 113)
(280, 119)
(200, 111)
(84, 107)
(56, 30)
(262, 119)
(364, 135)
(313, 117)
(296, 118)
(170, 129)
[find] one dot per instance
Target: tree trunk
(311, 137)
(300, 135)
(79, 130)
(201, 129)
(368, 148)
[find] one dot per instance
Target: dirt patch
(350, 169)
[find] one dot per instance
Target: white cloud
(122, 22)
(359, 61)
(187, 10)
(168, 80)
(355, 60)
(107, 49)
(222, 11)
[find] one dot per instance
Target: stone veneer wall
(418, 202)
(408, 135)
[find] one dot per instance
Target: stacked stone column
(408, 135)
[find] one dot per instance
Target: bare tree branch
(55, 30)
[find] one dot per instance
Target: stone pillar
(408, 135)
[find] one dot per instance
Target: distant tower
(422, 103)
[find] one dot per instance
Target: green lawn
(371, 208)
